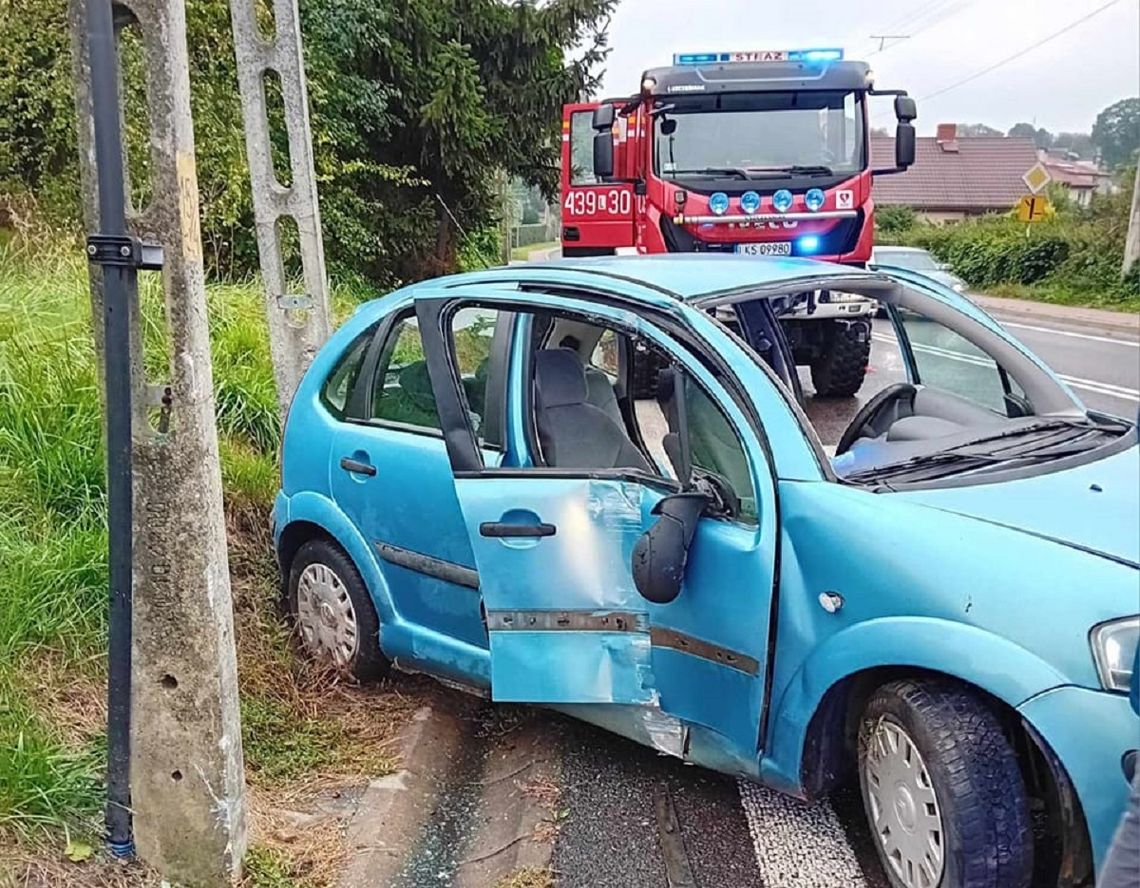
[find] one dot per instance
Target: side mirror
(661, 553)
(668, 126)
(603, 118)
(603, 155)
(904, 145)
(905, 109)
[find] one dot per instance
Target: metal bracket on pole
(111, 249)
(298, 325)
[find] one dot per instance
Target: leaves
(77, 851)
(411, 102)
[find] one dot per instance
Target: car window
(401, 388)
(338, 387)
(948, 361)
(472, 332)
(715, 447)
(605, 355)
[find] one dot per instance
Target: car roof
(687, 275)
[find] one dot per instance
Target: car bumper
(1090, 732)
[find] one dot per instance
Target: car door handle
(354, 465)
(501, 529)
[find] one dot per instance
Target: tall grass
(53, 507)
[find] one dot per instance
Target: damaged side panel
(565, 622)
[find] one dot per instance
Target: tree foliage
(968, 130)
(1040, 136)
(416, 107)
(1116, 133)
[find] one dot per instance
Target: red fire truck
(764, 153)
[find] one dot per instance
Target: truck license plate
(772, 248)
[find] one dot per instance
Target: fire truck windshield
(759, 136)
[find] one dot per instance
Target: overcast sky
(1061, 84)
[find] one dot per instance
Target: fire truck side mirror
(603, 154)
(904, 145)
(905, 109)
(603, 117)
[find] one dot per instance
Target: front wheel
(942, 790)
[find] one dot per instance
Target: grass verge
(304, 732)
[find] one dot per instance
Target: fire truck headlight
(782, 200)
(807, 244)
(750, 202)
(718, 203)
(814, 199)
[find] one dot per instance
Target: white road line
(798, 845)
(1109, 339)
(1109, 389)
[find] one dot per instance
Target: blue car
(944, 608)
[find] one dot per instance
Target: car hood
(1094, 507)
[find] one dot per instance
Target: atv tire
(839, 371)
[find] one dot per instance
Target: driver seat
(574, 433)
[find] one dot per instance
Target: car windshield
(915, 260)
(760, 135)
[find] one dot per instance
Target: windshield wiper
(794, 169)
(735, 172)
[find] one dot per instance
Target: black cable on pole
(113, 250)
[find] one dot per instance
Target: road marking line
(798, 845)
(1128, 342)
(1110, 389)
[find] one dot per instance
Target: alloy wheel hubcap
(325, 616)
(903, 807)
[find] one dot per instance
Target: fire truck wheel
(838, 372)
(643, 379)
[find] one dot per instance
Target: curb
(394, 809)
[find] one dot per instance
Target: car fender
(972, 655)
(318, 509)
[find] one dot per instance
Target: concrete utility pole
(298, 323)
(186, 776)
(1132, 241)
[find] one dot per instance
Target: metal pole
(120, 289)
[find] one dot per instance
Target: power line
(1019, 53)
(936, 16)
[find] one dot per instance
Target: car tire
(961, 762)
(838, 372)
(332, 612)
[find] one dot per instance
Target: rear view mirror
(904, 145)
(603, 155)
(661, 553)
(603, 118)
(905, 109)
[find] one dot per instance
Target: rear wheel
(942, 790)
(838, 370)
(333, 612)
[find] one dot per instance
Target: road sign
(1036, 177)
(1034, 208)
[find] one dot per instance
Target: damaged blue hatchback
(943, 607)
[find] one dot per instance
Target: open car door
(554, 551)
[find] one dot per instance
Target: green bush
(1074, 257)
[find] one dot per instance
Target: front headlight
(1114, 647)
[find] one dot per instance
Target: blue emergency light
(830, 54)
(807, 244)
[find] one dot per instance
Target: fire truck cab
(765, 153)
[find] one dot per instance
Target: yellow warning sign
(1034, 208)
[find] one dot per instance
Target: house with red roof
(953, 177)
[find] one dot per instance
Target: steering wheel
(871, 411)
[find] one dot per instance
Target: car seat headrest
(560, 377)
